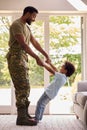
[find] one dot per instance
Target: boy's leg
(41, 104)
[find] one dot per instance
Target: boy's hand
(53, 67)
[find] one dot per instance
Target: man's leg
(22, 89)
(27, 106)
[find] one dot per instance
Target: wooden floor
(49, 122)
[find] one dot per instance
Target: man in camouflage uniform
(17, 58)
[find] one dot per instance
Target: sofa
(80, 102)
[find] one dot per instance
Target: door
(65, 44)
(39, 77)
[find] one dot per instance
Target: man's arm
(38, 47)
(28, 50)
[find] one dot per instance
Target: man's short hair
(29, 9)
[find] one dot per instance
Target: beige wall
(41, 5)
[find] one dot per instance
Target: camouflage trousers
(18, 68)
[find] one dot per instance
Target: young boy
(51, 91)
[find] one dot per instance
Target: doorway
(50, 34)
(65, 44)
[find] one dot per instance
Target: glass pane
(36, 73)
(5, 90)
(65, 38)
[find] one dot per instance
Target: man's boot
(29, 116)
(23, 119)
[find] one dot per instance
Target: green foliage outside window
(63, 35)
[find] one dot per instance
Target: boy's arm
(49, 68)
(53, 67)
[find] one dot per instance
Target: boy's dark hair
(70, 68)
(29, 9)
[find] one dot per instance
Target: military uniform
(18, 67)
(18, 63)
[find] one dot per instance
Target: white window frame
(45, 17)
